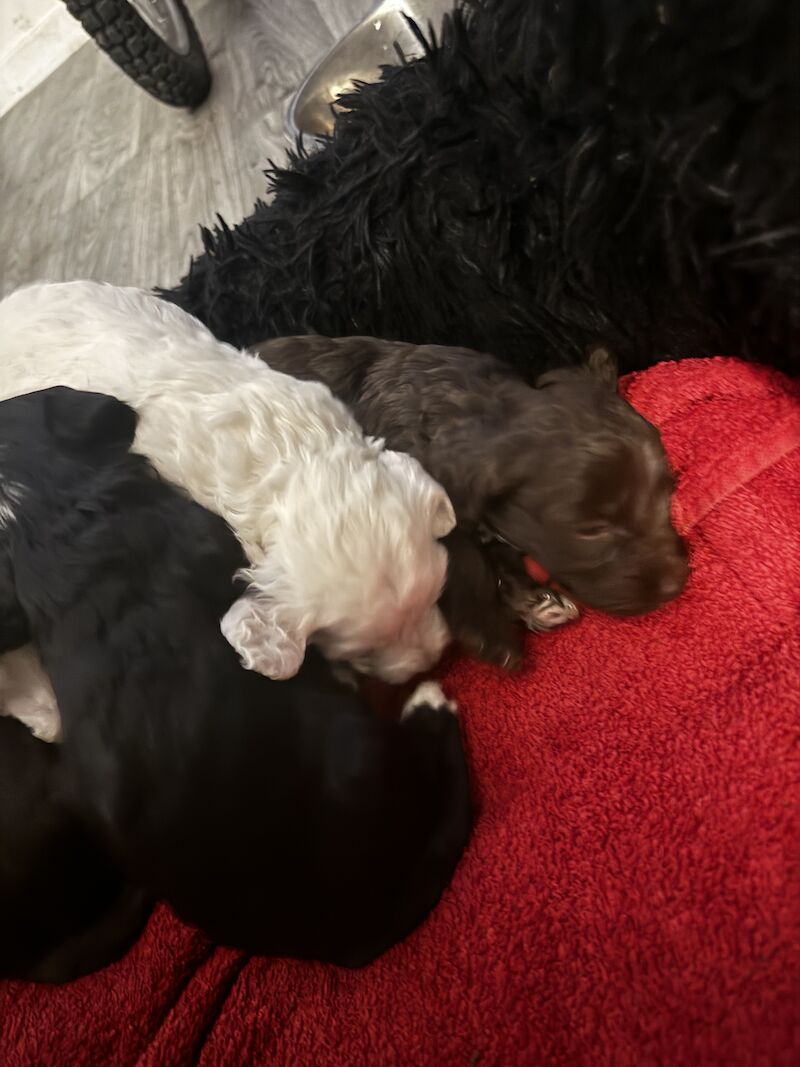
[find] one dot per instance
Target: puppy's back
(404, 393)
(129, 344)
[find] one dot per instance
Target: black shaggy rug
(553, 173)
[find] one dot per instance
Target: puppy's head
(584, 487)
(63, 429)
(356, 567)
(88, 424)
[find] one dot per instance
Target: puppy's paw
(544, 610)
(47, 728)
(42, 718)
(428, 695)
(263, 636)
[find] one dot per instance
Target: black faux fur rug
(552, 174)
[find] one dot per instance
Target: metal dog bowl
(358, 57)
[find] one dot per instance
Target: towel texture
(631, 895)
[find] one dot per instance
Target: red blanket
(631, 894)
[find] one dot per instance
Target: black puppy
(280, 817)
(65, 909)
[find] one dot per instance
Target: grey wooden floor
(98, 180)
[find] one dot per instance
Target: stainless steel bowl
(358, 57)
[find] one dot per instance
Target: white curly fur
(341, 535)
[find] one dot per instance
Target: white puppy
(342, 535)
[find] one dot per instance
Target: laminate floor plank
(98, 180)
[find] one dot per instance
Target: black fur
(551, 174)
(65, 909)
(281, 817)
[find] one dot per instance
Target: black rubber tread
(182, 81)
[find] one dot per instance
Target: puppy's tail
(433, 721)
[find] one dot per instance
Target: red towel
(631, 895)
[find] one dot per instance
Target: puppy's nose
(671, 584)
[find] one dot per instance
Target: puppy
(280, 817)
(342, 537)
(567, 473)
(65, 909)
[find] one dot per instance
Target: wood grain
(98, 180)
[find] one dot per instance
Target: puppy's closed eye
(592, 531)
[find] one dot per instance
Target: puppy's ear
(474, 475)
(602, 366)
(440, 509)
(265, 643)
(83, 422)
(443, 517)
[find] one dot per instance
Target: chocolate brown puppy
(567, 473)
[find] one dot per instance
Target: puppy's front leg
(478, 619)
(540, 608)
